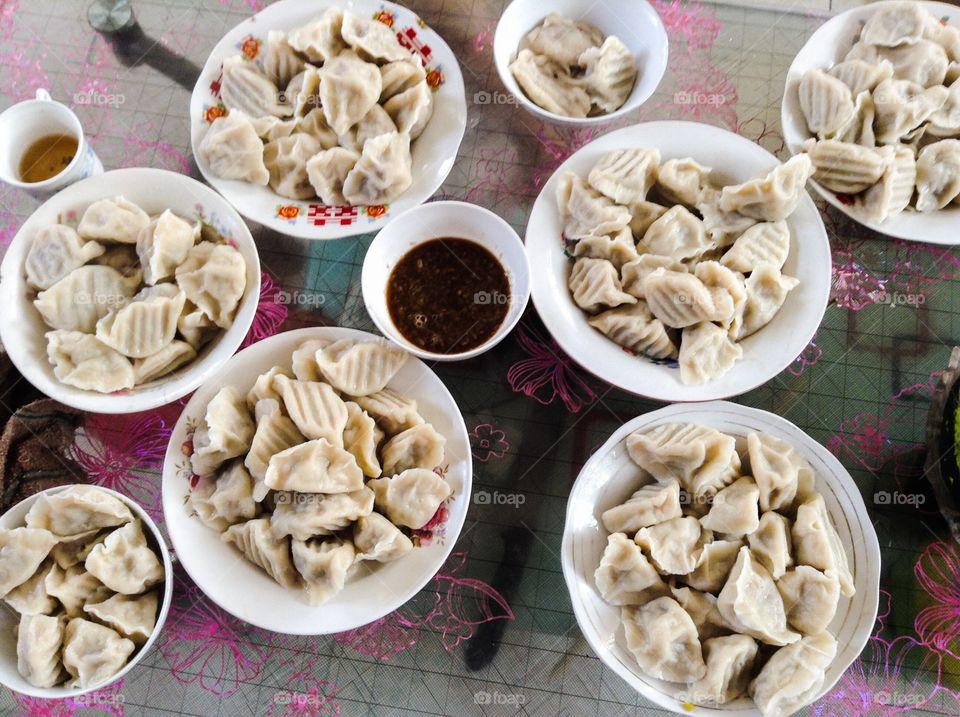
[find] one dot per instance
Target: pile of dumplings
(328, 110)
(886, 120)
(569, 68)
(85, 584)
(319, 468)
(671, 266)
(727, 567)
(130, 297)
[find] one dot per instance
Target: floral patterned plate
(434, 152)
(241, 588)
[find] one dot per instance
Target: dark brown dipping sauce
(448, 295)
(46, 157)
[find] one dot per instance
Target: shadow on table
(133, 47)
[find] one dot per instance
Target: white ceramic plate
(9, 676)
(765, 353)
(241, 588)
(610, 477)
(22, 328)
(434, 152)
(827, 46)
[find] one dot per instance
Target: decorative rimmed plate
(434, 152)
(610, 477)
(765, 354)
(827, 46)
(241, 588)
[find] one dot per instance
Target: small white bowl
(635, 22)
(9, 676)
(22, 328)
(438, 220)
(610, 477)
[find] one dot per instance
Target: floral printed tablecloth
(493, 632)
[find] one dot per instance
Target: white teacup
(24, 123)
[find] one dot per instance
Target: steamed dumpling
(349, 88)
(83, 361)
(383, 172)
(55, 251)
(286, 161)
(232, 149)
(214, 277)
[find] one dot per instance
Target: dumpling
(74, 587)
(673, 545)
(723, 228)
(124, 562)
(164, 245)
(383, 171)
(226, 432)
(894, 24)
(411, 109)
(194, 326)
(269, 128)
(901, 106)
(349, 87)
(214, 277)
(303, 515)
(278, 61)
(810, 598)
(663, 639)
(400, 75)
(561, 39)
(372, 39)
(417, 447)
(55, 251)
(376, 538)
(304, 361)
(84, 296)
(22, 550)
(938, 175)
(323, 565)
(144, 325)
(412, 498)
(393, 413)
(315, 124)
(232, 150)
(892, 194)
(610, 72)
(275, 433)
(263, 387)
(714, 566)
(165, 361)
(751, 604)
(729, 661)
(114, 219)
(316, 466)
(770, 544)
(243, 87)
(860, 128)
(226, 499)
(595, 283)
(77, 510)
(706, 353)
(642, 215)
(635, 328)
(31, 597)
(793, 675)
(625, 576)
(619, 249)
(626, 175)
(68, 553)
(359, 368)
(767, 290)
(817, 543)
(721, 280)
(320, 40)
(861, 76)
(326, 172)
(93, 653)
(286, 160)
(133, 617)
(776, 466)
(39, 639)
(734, 509)
(844, 167)
(315, 408)
(548, 85)
(773, 197)
(259, 544)
(680, 299)
(585, 212)
(361, 438)
(826, 103)
(945, 122)
(634, 273)
(703, 459)
(924, 62)
(677, 234)
(682, 181)
(702, 608)
(81, 360)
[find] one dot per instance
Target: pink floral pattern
(305, 696)
(105, 701)
(487, 442)
(270, 312)
(938, 572)
(548, 374)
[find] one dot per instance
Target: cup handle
(42, 94)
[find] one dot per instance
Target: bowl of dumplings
(87, 582)
(127, 290)
(721, 561)
(583, 63)
(873, 99)
(324, 120)
(318, 482)
(679, 261)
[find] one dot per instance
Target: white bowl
(439, 220)
(434, 152)
(244, 590)
(635, 22)
(827, 46)
(9, 676)
(610, 477)
(22, 328)
(765, 353)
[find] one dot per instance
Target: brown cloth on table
(37, 431)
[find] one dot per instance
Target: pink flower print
(689, 21)
(810, 356)
(548, 374)
(107, 700)
(305, 696)
(487, 442)
(483, 39)
(760, 132)
(938, 572)
(382, 639)
(702, 92)
(270, 313)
